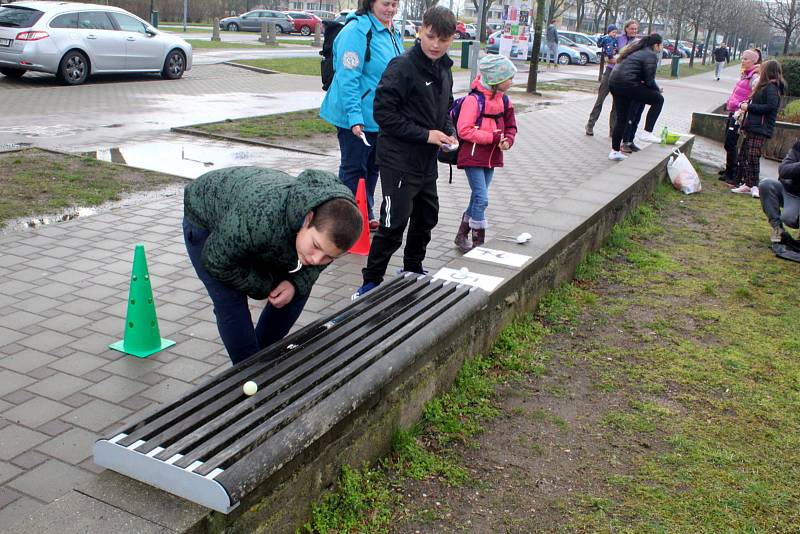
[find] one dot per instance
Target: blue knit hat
(495, 69)
(611, 28)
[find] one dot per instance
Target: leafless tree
(782, 15)
(536, 46)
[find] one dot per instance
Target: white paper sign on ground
(497, 256)
(483, 281)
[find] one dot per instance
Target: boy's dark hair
(441, 20)
(340, 220)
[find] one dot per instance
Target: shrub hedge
(791, 73)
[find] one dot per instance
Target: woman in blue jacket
(361, 51)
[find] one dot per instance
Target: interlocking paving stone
(54, 427)
(36, 412)
(29, 459)
(46, 341)
(186, 370)
(11, 381)
(73, 446)
(65, 322)
(26, 360)
(59, 386)
(16, 439)
(78, 364)
(19, 509)
(7, 496)
(115, 389)
(8, 471)
(167, 390)
(96, 415)
(8, 337)
(195, 348)
(19, 396)
(50, 480)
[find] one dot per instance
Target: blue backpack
(451, 157)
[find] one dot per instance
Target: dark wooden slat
(282, 376)
(392, 335)
(230, 381)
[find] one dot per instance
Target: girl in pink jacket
(486, 127)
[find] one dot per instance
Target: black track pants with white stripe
(407, 201)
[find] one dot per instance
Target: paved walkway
(63, 291)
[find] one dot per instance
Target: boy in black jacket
(412, 104)
(780, 199)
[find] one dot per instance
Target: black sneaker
(633, 147)
(626, 148)
(722, 172)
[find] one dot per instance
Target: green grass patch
(306, 66)
(279, 127)
(665, 70)
(198, 44)
(36, 182)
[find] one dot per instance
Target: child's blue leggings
(479, 179)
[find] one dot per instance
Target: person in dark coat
(721, 58)
(263, 234)
(412, 106)
(780, 199)
(634, 80)
(761, 112)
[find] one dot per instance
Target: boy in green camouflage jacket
(263, 234)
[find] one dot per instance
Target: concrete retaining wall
(712, 125)
(563, 234)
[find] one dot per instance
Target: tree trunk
(694, 46)
(537, 44)
(786, 42)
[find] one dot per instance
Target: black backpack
(332, 29)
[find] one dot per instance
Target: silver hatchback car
(74, 41)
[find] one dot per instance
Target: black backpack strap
(368, 54)
(451, 174)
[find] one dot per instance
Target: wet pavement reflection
(189, 156)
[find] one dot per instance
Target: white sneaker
(741, 189)
(648, 137)
(754, 191)
(616, 155)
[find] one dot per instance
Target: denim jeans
(358, 161)
(479, 179)
(234, 322)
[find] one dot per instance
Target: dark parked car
(251, 21)
(305, 23)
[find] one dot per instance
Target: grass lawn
(206, 43)
(36, 182)
(658, 392)
(271, 128)
(698, 68)
(307, 66)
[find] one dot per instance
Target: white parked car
(74, 41)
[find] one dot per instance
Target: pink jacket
(479, 145)
(743, 88)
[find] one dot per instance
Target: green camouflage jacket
(253, 216)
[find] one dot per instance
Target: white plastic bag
(682, 175)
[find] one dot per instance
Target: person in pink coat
(486, 128)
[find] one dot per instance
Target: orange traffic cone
(362, 245)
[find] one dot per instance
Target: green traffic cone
(142, 337)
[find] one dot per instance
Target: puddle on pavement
(189, 157)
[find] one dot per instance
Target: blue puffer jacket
(349, 99)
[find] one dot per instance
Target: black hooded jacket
(636, 69)
(762, 110)
(412, 98)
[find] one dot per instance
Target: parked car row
(569, 52)
(74, 41)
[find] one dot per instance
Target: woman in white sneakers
(634, 80)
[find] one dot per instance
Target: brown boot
(478, 237)
(462, 236)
